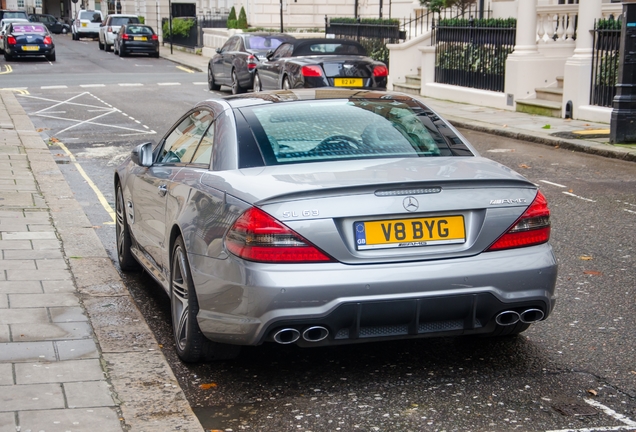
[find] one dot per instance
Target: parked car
(110, 27)
(6, 13)
(4, 23)
(234, 63)
(320, 63)
(25, 39)
(55, 25)
(136, 39)
(327, 217)
(86, 24)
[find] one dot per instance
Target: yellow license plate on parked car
(398, 233)
(30, 48)
(348, 82)
(140, 38)
(84, 25)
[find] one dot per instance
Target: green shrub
(142, 20)
(232, 22)
(180, 27)
(242, 19)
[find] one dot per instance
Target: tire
(64, 31)
(100, 45)
(108, 48)
(155, 55)
(75, 37)
(257, 83)
(115, 50)
(286, 84)
(7, 57)
(190, 343)
(50, 57)
(127, 261)
(236, 87)
(122, 53)
(212, 85)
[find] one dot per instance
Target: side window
(181, 143)
(284, 50)
(203, 154)
(229, 45)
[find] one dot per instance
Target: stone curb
(145, 388)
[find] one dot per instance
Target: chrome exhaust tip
(315, 334)
(531, 316)
(286, 336)
(507, 318)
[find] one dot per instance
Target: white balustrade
(556, 23)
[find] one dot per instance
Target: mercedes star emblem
(411, 204)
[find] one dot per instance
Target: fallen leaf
(207, 386)
(556, 146)
(586, 124)
(592, 392)
(96, 226)
(592, 272)
(524, 166)
(571, 190)
(546, 127)
(586, 258)
(633, 372)
(505, 126)
(39, 130)
(160, 346)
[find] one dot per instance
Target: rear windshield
(311, 131)
(264, 43)
(329, 49)
(133, 29)
(93, 16)
(16, 14)
(29, 28)
(119, 21)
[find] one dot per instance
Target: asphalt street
(575, 371)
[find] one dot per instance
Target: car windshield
(329, 49)
(118, 21)
(262, 43)
(29, 28)
(347, 129)
(133, 29)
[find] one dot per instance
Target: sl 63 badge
(300, 213)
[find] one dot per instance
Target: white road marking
(169, 84)
(56, 112)
(500, 150)
(579, 197)
(553, 184)
(629, 423)
(630, 211)
(130, 84)
(53, 87)
(92, 85)
(200, 83)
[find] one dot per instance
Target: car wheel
(75, 36)
(257, 83)
(50, 57)
(100, 45)
(286, 85)
(64, 31)
(108, 48)
(212, 85)
(122, 53)
(190, 343)
(127, 261)
(236, 87)
(7, 57)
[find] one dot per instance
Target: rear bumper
(137, 47)
(370, 302)
(17, 52)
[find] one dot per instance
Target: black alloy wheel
(212, 85)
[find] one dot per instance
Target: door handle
(163, 190)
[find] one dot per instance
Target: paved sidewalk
(544, 130)
(75, 352)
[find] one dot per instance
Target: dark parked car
(54, 24)
(320, 63)
(136, 39)
(331, 216)
(234, 64)
(28, 40)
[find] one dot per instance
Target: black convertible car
(320, 63)
(25, 39)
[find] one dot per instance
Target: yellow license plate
(140, 38)
(84, 25)
(30, 48)
(348, 82)
(398, 233)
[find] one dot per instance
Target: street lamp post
(281, 16)
(170, 22)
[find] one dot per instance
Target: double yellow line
(8, 70)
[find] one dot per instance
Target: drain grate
(572, 410)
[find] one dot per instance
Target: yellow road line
(185, 69)
(22, 91)
(100, 196)
(8, 68)
(592, 132)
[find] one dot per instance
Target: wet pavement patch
(223, 416)
(572, 410)
(583, 134)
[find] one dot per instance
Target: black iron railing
(422, 22)
(607, 40)
(472, 53)
(374, 37)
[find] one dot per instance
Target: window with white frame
(20, 3)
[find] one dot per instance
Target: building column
(526, 40)
(577, 74)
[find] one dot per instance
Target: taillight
(311, 71)
(155, 37)
(257, 236)
(532, 228)
(125, 36)
(47, 40)
(251, 62)
(11, 40)
(380, 71)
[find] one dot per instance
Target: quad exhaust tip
(287, 336)
(511, 317)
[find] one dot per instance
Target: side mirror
(142, 154)
(218, 50)
(269, 54)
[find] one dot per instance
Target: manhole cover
(575, 409)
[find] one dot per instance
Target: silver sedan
(326, 216)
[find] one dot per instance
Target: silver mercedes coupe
(328, 216)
